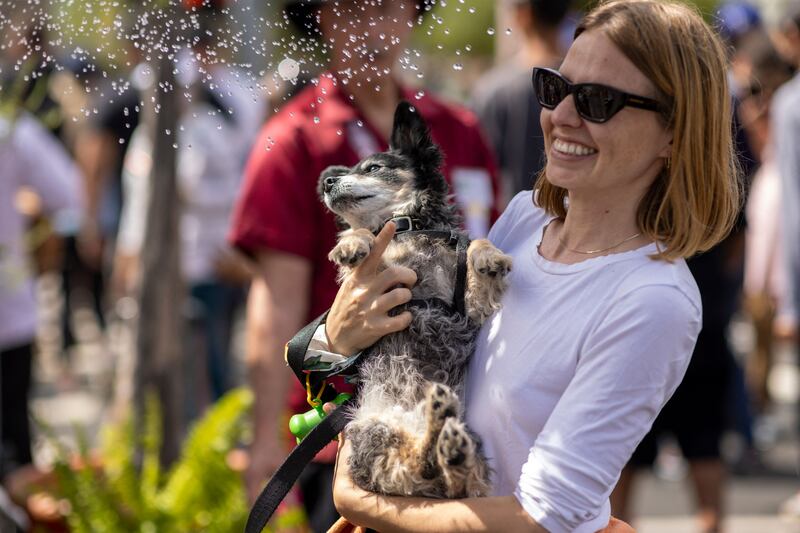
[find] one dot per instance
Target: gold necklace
(590, 252)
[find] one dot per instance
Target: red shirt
(279, 207)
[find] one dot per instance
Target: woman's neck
(592, 229)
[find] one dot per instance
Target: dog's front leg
(487, 269)
(352, 248)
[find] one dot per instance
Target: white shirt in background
(570, 374)
(211, 156)
(29, 157)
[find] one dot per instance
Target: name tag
(473, 191)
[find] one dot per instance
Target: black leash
(286, 476)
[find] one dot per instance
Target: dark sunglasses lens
(597, 103)
(550, 89)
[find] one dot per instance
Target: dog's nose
(329, 182)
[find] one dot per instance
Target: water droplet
(419, 95)
(490, 31)
(508, 31)
(458, 66)
(316, 120)
(288, 69)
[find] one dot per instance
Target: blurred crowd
(253, 239)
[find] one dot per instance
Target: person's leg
(644, 456)
(705, 399)
(622, 493)
(212, 298)
(98, 283)
(68, 274)
(708, 477)
(15, 376)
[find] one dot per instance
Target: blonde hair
(694, 201)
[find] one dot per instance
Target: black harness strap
(285, 477)
(461, 244)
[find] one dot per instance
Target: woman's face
(620, 157)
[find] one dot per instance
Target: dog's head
(405, 180)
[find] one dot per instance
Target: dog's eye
(372, 168)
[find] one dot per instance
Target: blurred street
(87, 396)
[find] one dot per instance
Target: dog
(407, 429)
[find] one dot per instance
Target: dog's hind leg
(487, 269)
(383, 458)
(441, 403)
(463, 467)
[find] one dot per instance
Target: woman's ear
(666, 151)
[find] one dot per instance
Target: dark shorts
(696, 413)
(15, 430)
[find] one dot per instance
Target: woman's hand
(360, 314)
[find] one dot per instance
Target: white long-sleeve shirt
(570, 374)
(29, 157)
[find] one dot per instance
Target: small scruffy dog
(407, 431)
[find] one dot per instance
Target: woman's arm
(393, 513)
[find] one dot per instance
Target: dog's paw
(441, 403)
(489, 261)
(351, 249)
(455, 446)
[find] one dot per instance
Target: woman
(602, 313)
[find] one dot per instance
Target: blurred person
(30, 157)
(785, 133)
(785, 113)
(345, 115)
(215, 126)
(40, 88)
(765, 286)
(504, 100)
(100, 148)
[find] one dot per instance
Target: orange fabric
(614, 526)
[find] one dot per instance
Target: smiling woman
(676, 166)
(601, 315)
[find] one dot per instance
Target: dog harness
(315, 379)
(407, 228)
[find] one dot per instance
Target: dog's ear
(330, 171)
(411, 137)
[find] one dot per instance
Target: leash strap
(285, 477)
(296, 350)
(459, 294)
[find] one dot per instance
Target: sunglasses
(593, 101)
